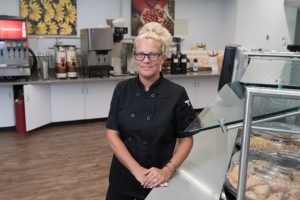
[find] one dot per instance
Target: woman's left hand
(155, 177)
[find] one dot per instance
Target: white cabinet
(79, 101)
(206, 89)
(201, 90)
(7, 110)
(37, 105)
(67, 101)
(97, 98)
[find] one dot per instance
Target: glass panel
(268, 70)
(228, 106)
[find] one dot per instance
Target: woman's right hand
(139, 174)
(156, 177)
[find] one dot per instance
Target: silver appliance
(96, 47)
(127, 57)
(122, 58)
(14, 59)
(122, 53)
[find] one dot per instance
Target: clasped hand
(155, 177)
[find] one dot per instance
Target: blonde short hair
(155, 31)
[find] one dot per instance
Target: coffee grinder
(178, 60)
(96, 47)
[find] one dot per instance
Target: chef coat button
(148, 118)
(137, 94)
(144, 142)
(152, 95)
(132, 115)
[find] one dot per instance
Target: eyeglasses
(153, 56)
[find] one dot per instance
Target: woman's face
(148, 58)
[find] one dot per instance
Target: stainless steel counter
(86, 79)
(203, 173)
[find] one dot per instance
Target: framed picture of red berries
(144, 11)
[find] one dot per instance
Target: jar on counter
(71, 62)
(195, 65)
(60, 64)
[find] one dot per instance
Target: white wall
(215, 22)
(256, 19)
(205, 19)
(229, 21)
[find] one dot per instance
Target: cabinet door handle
(87, 90)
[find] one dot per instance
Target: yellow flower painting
(23, 8)
(49, 17)
(53, 28)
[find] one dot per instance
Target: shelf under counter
(87, 93)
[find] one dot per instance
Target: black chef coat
(149, 122)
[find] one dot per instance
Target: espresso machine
(96, 47)
(14, 51)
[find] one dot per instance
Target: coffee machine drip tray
(99, 71)
(113, 73)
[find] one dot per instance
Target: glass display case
(263, 101)
(266, 104)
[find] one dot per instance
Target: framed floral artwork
(49, 17)
(143, 11)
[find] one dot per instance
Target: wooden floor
(58, 162)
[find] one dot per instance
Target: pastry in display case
(271, 175)
(271, 140)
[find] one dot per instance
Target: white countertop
(111, 78)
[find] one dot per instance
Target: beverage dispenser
(14, 60)
(96, 46)
(65, 61)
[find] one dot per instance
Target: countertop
(110, 78)
(202, 175)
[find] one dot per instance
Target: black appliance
(227, 66)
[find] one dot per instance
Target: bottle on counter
(183, 64)
(213, 60)
(175, 65)
(195, 65)
(45, 70)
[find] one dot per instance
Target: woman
(147, 115)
